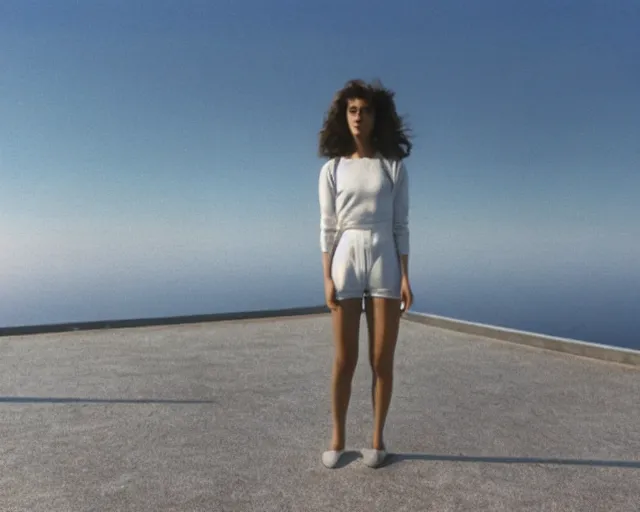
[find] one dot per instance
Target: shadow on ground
(348, 457)
(70, 400)
(394, 458)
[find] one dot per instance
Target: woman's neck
(363, 149)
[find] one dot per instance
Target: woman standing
(364, 209)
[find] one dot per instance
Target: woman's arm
(404, 266)
(328, 219)
(326, 265)
(401, 218)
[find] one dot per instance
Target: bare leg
(386, 321)
(346, 328)
(368, 305)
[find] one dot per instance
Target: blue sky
(140, 138)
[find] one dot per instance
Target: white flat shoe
(373, 458)
(330, 458)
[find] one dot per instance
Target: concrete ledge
(146, 322)
(566, 345)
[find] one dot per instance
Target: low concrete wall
(575, 347)
(172, 320)
(569, 346)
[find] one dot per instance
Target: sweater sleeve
(401, 210)
(328, 219)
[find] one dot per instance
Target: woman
(364, 207)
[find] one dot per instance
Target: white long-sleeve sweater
(362, 194)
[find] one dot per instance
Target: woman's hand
(330, 294)
(406, 294)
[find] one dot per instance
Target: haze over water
(159, 158)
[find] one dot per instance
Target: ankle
(337, 443)
(378, 444)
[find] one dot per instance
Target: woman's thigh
(346, 329)
(384, 274)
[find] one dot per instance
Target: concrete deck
(233, 416)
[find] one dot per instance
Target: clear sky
(144, 138)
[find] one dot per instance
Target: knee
(382, 366)
(346, 364)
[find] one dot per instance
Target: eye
(362, 110)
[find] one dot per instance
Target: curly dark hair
(389, 135)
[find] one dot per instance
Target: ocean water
(597, 308)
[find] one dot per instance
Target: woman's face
(360, 118)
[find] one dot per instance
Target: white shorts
(366, 263)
